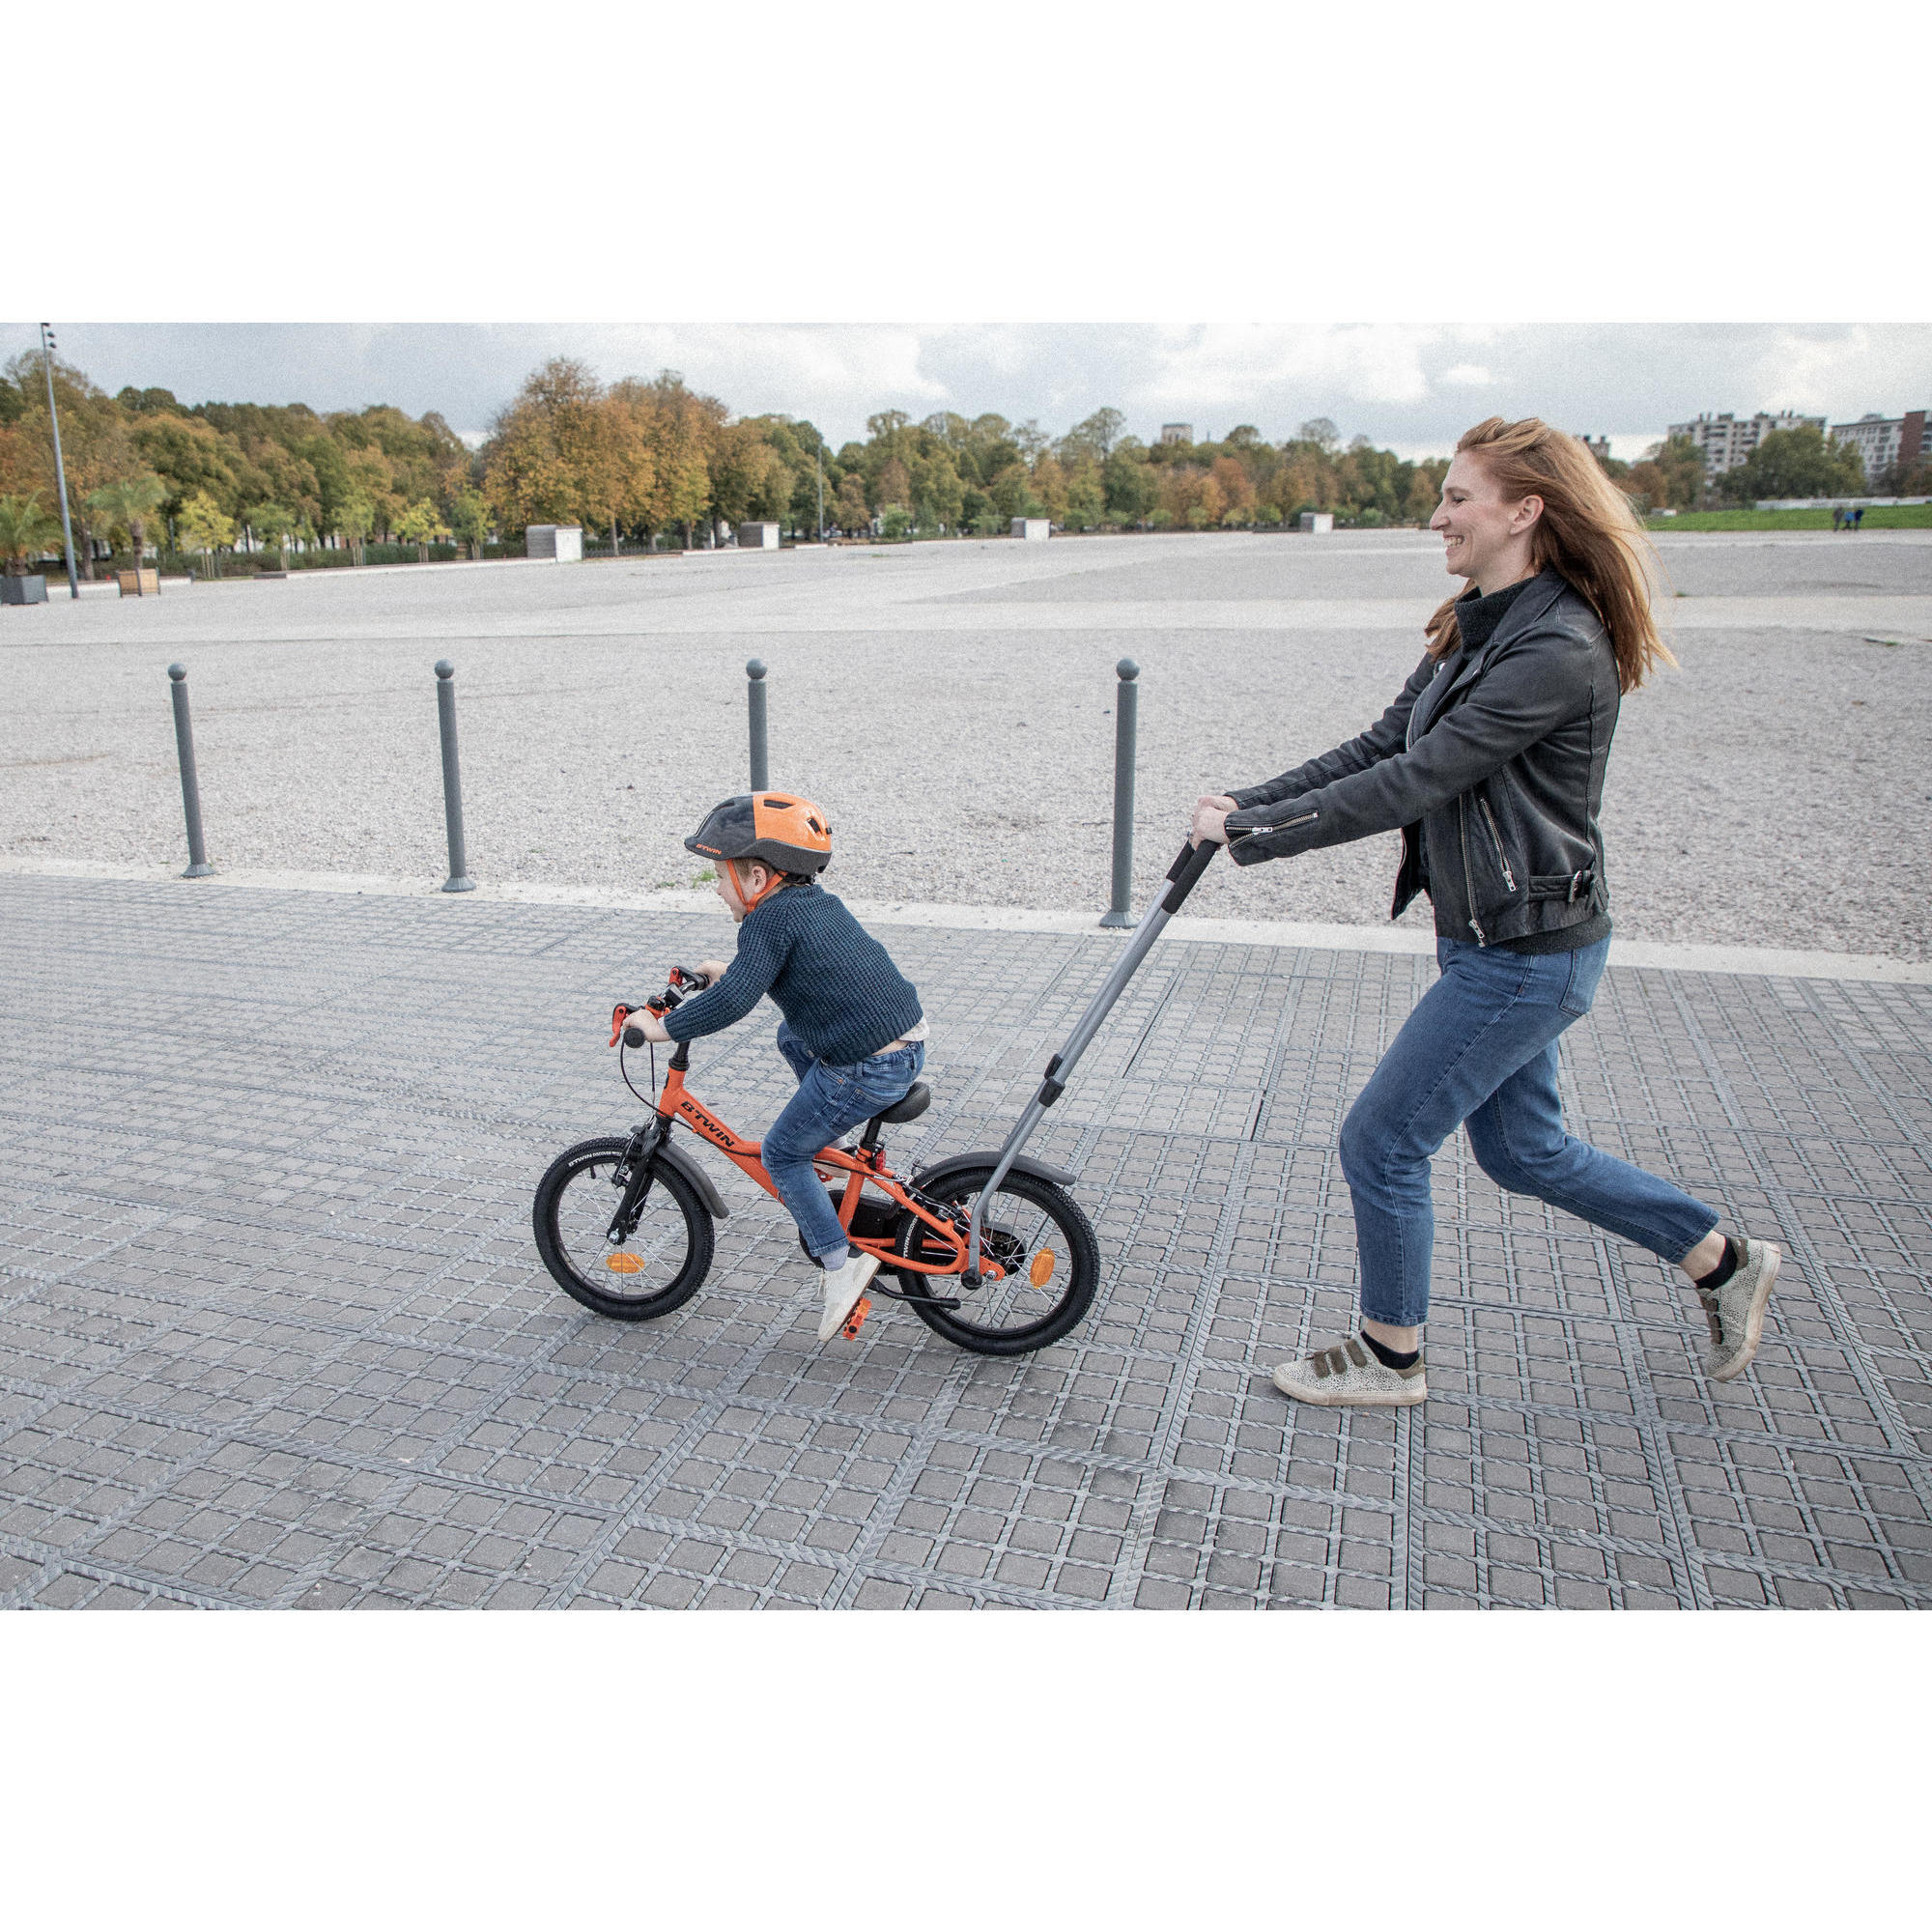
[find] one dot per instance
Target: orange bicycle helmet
(784, 832)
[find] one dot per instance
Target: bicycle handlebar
(683, 981)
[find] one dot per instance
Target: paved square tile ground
(273, 1330)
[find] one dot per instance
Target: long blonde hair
(1587, 532)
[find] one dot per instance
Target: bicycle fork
(636, 1190)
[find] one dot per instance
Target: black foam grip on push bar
(1185, 874)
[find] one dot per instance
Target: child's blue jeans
(1480, 1050)
(830, 1100)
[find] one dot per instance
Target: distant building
(1176, 432)
(1726, 439)
(1599, 446)
(1885, 441)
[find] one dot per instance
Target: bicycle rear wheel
(658, 1269)
(1042, 1239)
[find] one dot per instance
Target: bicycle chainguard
(899, 1294)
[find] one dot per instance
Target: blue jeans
(829, 1101)
(1479, 1049)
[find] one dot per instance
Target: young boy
(853, 1030)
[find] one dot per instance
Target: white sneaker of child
(843, 1286)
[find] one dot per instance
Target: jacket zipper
(1509, 877)
(1468, 877)
(1286, 824)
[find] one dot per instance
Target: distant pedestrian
(1490, 762)
(1859, 518)
(1838, 516)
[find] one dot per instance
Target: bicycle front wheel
(662, 1264)
(1043, 1241)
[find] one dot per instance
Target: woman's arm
(1535, 685)
(1383, 739)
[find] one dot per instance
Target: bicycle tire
(1010, 1316)
(673, 1239)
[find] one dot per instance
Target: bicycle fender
(707, 1192)
(943, 1171)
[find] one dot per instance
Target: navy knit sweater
(827, 975)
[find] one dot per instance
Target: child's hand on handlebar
(650, 1026)
(1210, 818)
(713, 970)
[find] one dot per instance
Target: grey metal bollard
(198, 867)
(459, 880)
(761, 765)
(1126, 724)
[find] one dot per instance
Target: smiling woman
(1491, 761)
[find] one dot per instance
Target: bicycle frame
(676, 1105)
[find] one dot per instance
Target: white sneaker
(1352, 1376)
(843, 1286)
(1736, 1311)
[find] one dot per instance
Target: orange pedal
(855, 1320)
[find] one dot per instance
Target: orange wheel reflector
(1041, 1270)
(624, 1263)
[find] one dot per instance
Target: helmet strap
(773, 881)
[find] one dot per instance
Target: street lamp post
(818, 457)
(60, 468)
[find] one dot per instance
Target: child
(853, 1030)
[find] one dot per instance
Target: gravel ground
(952, 707)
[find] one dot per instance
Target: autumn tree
(272, 523)
(470, 519)
(128, 505)
(1130, 484)
(1670, 475)
(26, 529)
(203, 526)
(551, 458)
(421, 525)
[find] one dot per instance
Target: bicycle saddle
(915, 1103)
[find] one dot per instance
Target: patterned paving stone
(272, 1332)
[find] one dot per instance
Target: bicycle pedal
(855, 1320)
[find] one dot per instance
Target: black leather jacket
(1496, 754)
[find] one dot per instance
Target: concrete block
(758, 536)
(561, 543)
(1031, 530)
(1316, 520)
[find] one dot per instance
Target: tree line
(633, 461)
(637, 461)
(144, 469)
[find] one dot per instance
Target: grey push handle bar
(1181, 878)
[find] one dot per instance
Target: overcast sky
(1413, 387)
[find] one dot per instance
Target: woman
(1492, 762)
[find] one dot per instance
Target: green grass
(1905, 517)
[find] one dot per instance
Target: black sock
(1391, 1358)
(1734, 1254)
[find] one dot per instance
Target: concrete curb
(1763, 963)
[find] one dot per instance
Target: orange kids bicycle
(625, 1224)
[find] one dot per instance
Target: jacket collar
(1543, 591)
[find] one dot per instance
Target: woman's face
(1486, 537)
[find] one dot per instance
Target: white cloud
(1468, 376)
(1234, 364)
